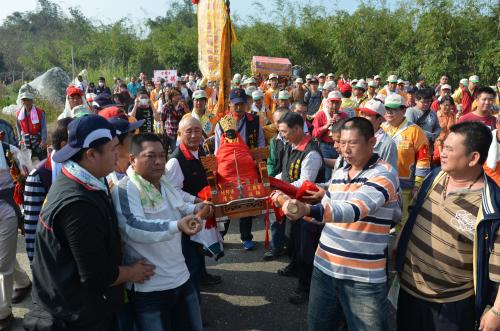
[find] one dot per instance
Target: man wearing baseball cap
(385, 147)
(444, 90)
(284, 99)
(299, 91)
(371, 92)
(31, 126)
(413, 149)
(358, 94)
(457, 95)
(321, 79)
(321, 126)
(77, 271)
(391, 87)
(207, 119)
(469, 95)
(271, 95)
(248, 126)
(265, 115)
(74, 98)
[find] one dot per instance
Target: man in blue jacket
(448, 253)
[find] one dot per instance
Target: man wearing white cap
(469, 94)
(378, 80)
(413, 148)
(327, 88)
(299, 91)
(371, 92)
(265, 115)
(457, 95)
(358, 94)
(385, 147)
(308, 80)
(444, 90)
(321, 79)
(271, 95)
(236, 80)
(250, 82)
(207, 119)
(32, 126)
(330, 77)
(391, 87)
(284, 99)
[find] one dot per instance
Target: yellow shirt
(413, 152)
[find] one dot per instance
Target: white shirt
(176, 177)
(154, 237)
(309, 168)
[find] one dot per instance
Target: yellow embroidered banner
(215, 35)
(212, 16)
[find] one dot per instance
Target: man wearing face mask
(144, 110)
(101, 87)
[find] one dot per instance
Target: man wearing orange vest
(32, 126)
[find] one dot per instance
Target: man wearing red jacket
(323, 121)
(32, 126)
(469, 94)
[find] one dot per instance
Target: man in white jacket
(151, 216)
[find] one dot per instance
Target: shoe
(6, 323)
(248, 245)
(209, 280)
(274, 253)
(20, 294)
(288, 271)
(298, 297)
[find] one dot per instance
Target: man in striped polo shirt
(448, 254)
(362, 202)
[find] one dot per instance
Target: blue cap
(238, 95)
(122, 126)
(84, 132)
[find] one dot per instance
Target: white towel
(33, 115)
(494, 152)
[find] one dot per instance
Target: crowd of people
(113, 203)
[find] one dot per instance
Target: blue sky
(137, 10)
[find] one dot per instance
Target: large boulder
(10, 110)
(52, 85)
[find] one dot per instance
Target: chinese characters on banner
(211, 21)
(170, 76)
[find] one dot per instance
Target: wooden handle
(204, 212)
(193, 223)
(291, 208)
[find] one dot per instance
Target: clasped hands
(192, 224)
(293, 208)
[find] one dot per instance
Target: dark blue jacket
(486, 228)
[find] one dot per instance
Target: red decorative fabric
(228, 155)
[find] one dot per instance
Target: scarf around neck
(152, 200)
(79, 174)
(33, 115)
